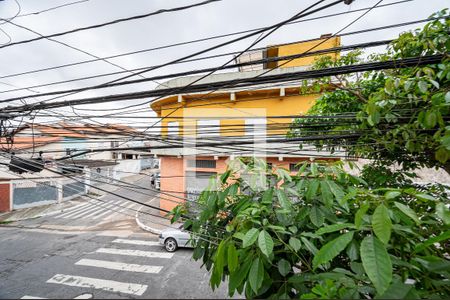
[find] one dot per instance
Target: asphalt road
(95, 250)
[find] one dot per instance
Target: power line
(51, 8)
(199, 71)
(221, 36)
(160, 11)
(300, 75)
(270, 29)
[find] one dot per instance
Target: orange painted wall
(173, 180)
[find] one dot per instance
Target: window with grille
(294, 167)
(201, 163)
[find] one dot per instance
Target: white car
(173, 238)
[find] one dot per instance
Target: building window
(208, 128)
(201, 163)
(294, 167)
(255, 127)
(173, 128)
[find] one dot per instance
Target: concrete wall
(172, 181)
(173, 171)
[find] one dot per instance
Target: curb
(145, 227)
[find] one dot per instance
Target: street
(95, 249)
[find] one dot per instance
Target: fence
(27, 193)
(24, 193)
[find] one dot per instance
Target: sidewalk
(150, 219)
(41, 210)
(54, 208)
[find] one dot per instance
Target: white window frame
(173, 128)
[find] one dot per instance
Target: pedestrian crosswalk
(133, 256)
(97, 209)
(102, 284)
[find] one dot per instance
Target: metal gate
(31, 193)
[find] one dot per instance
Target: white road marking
(120, 211)
(136, 242)
(84, 296)
(101, 284)
(94, 208)
(72, 213)
(119, 266)
(105, 208)
(79, 208)
(135, 252)
(107, 211)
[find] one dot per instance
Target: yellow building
(257, 114)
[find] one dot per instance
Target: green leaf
(311, 191)
(309, 246)
(442, 237)
(267, 196)
(376, 263)
(430, 119)
(250, 237)
(443, 212)
(284, 267)
(265, 243)
(447, 97)
(392, 194)
(333, 228)
(360, 214)
(408, 211)
(238, 277)
(239, 235)
(295, 243)
(442, 155)
(331, 249)
(256, 275)
(224, 176)
(397, 290)
(220, 258)
(425, 197)
(434, 263)
(284, 175)
(382, 224)
(353, 250)
(233, 190)
(423, 86)
(283, 199)
(314, 171)
(316, 216)
(327, 195)
(232, 258)
(337, 191)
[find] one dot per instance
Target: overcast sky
(213, 19)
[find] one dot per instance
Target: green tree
(320, 234)
(324, 233)
(402, 115)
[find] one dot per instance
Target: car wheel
(171, 245)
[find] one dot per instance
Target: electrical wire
(225, 35)
(136, 17)
(300, 75)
